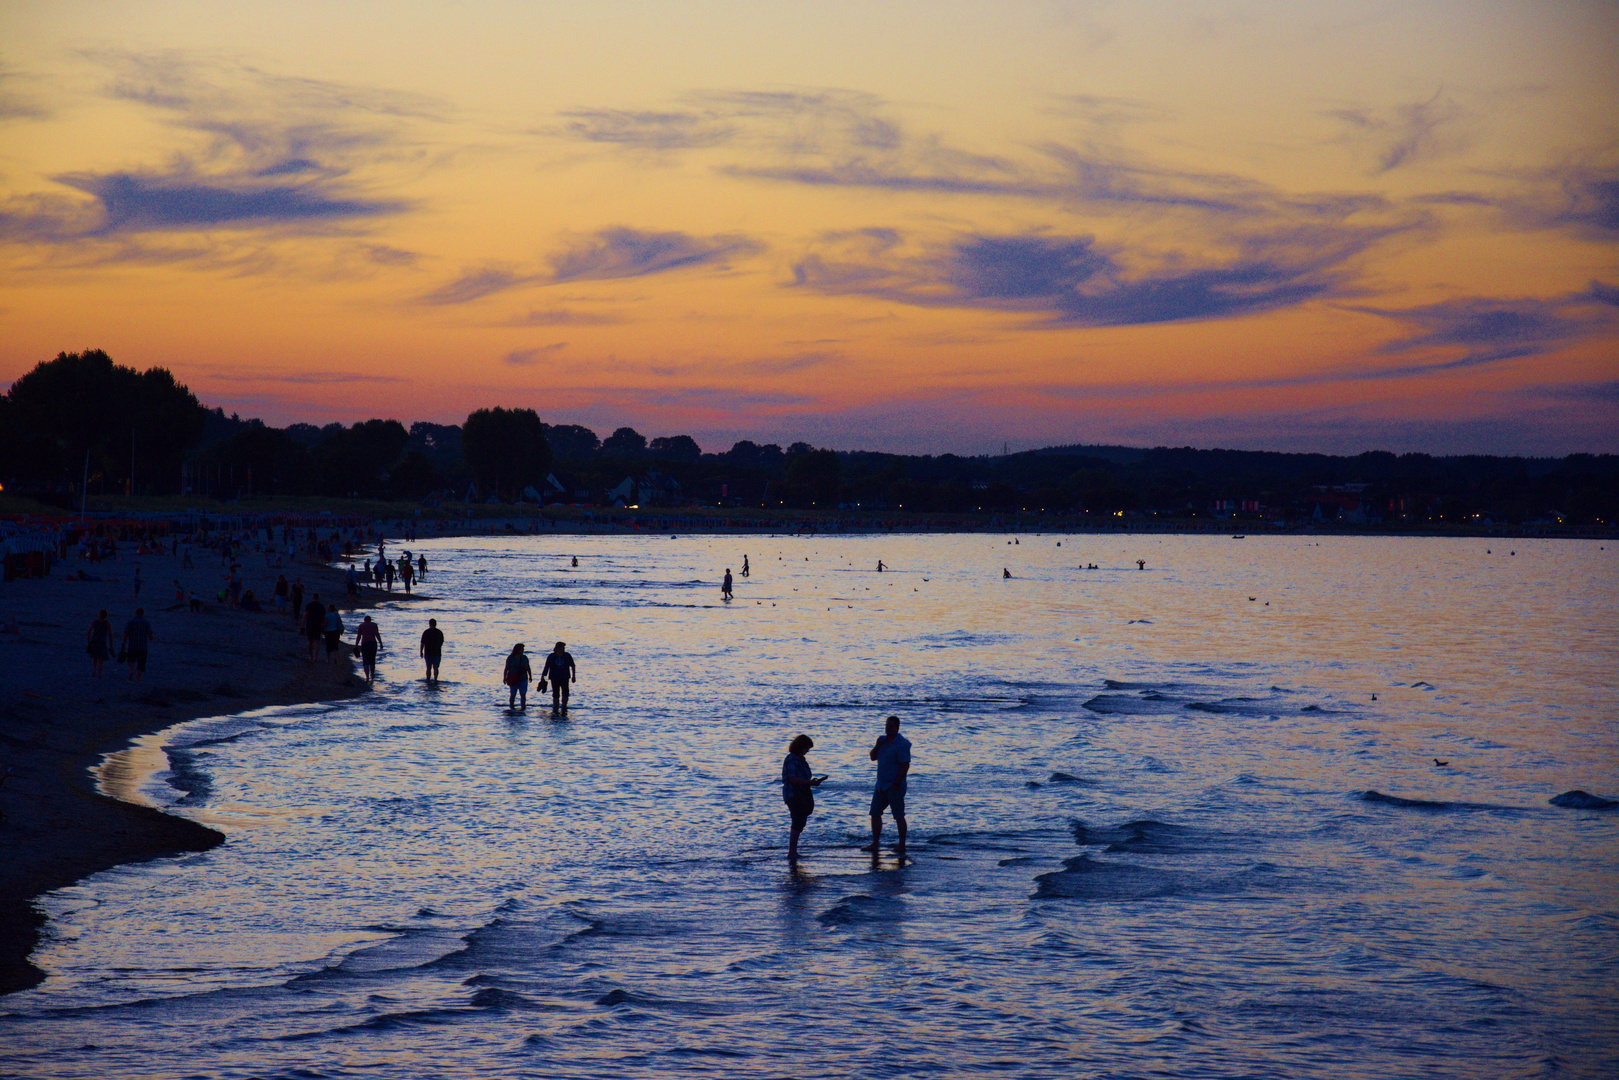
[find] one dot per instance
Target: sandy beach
(56, 721)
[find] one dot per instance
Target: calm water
(1142, 842)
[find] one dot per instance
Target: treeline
(81, 415)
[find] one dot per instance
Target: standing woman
(368, 635)
(517, 675)
(100, 646)
(798, 790)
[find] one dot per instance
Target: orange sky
(925, 227)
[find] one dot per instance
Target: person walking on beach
(137, 637)
(421, 567)
(725, 588)
(431, 648)
(332, 628)
(100, 643)
(407, 573)
(516, 677)
(388, 575)
(561, 670)
(892, 753)
(368, 637)
(351, 582)
(798, 790)
(744, 566)
(281, 592)
(314, 622)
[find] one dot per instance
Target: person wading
(892, 753)
(561, 670)
(516, 677)
(798, 790)
(431, 648)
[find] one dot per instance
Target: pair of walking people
(559, 670)
(891, 752)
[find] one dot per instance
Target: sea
(1263, 806)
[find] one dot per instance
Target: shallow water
(1158, 827)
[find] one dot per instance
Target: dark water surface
(1158, 827)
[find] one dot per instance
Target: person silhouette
(725, 588)
(561, 670)
(744, 566)
(516, 677)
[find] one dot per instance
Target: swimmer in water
(1005, 573)
(576, 560)
(1141, 564)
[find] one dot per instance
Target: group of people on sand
(559, 672)
(891, 752)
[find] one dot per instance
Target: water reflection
(1141, 838)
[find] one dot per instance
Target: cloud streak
(607, 255)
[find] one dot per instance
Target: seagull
(1439, 763)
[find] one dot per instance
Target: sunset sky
(923, 227)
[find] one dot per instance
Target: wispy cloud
(1408, 133)
(1476, 331)
(606, 255)
(17, 104)
(262, 152)
(565, 317)
(1074, 280)
(527, 357)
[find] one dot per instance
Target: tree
(676, 448)
(625, 442)
(83, 403)
(570, 442)
(359, 458)
(261, 460)
(414, 476)
(506, 449)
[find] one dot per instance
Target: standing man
(137, 637)
(314, 623)
(725, 589)
(561, 670)
(892, 753)
(431, 648)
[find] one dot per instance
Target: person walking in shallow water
(892, 753)
(725, 588)
(368, 637)
(561, 670)
(798, 790)
(516, 677)
(431, 648)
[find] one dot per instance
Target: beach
(57, 722)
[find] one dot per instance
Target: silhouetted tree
(623, 443)
(571, 442)
(414, 476)
(506, 448)
(676, 448)
(83, 402)
(260, 460)
(359, 459)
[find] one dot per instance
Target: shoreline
(58, 724)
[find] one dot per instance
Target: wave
(1372, 796)
(1085, 878)
(860, 908)
(1582, 800)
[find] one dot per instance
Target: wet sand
(56, 721)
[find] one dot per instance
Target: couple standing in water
(892, 753)
(559, 671)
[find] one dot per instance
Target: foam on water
(1156, 829)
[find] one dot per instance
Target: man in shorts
(431, 648)
(892, 753)
(137, 637)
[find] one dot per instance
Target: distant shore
(57, 722)
(478, 519)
